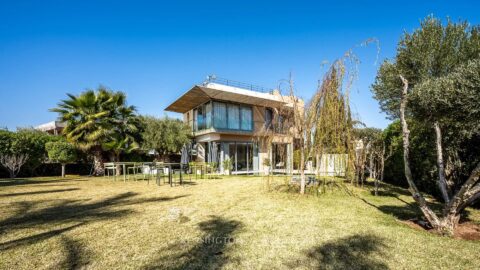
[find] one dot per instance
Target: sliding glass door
(242, 156)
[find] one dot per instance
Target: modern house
(230, 120)
(54, 127)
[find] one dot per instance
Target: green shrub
(61, 152)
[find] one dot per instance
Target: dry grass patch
(230, 223)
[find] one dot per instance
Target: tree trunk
(464, 197)
(382, 163)
(98, 163)
(302, 171)
(63, 170)
(375, 177)
(442, 183)
(119, 167)
(449, 223)
(417, 196)
(371, 174)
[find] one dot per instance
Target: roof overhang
(50, 126)
(200, 94)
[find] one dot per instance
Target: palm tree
(92, 119)
(125, 131)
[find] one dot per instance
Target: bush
(28, 143)
(61, 152)
(422, 157)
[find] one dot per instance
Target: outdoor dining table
(195, 167)
(170, 171)
(124, 168)
(153, 166)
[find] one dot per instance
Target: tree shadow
(76, 211)
(385, 189)
(26, 181)
(353, 252)
(36, 238)
(209, 253)
(77, 255)
(402, 212)
(38, 192)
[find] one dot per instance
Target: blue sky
(155, 51)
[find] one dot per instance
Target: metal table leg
(124, 174)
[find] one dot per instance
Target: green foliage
(430, 52)
(26, 141)
(32, 142)
(454, 99)
(61, 152)
(422, 158)
(6, 140)
(94, 118)
(331, 113)
(164, 135)
(442, 66)
(368, 134)
(126, 133)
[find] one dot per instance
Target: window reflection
(221, 115)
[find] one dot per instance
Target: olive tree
(164, 135)
(437, 71)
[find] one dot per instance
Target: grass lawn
(230, 223)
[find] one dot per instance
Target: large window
(222, 115)
(246, 118)
(200, 118)
(233, 116)
(208, 115)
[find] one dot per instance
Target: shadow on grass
(35, 238)
(77, 255)
(405, 211)
(353, 252)
(402, 212)
(26, 181)
(38, 192)
(76, 210)
(208, 253)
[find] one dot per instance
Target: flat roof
(200, 94)
(50, 126)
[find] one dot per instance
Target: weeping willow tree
(324, 125)
(333, 124)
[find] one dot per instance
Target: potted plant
(227, 165)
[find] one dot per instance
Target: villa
(229, 119)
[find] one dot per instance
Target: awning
(200, 94)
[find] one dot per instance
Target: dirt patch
(465, 231)
(468, 231)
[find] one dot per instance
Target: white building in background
(54, 127)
